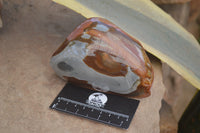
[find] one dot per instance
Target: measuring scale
(105, 108)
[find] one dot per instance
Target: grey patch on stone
(64, 66)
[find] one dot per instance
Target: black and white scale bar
(115, 110)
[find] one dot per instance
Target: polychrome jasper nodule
(99, 55)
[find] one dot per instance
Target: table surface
(31, 33)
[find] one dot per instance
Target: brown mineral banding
(103, 63)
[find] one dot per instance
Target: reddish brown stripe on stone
(103, 63)
(61, 48)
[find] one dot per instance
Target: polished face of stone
(101, 56)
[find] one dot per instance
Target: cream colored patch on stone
(101, 27)
(86, 36)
